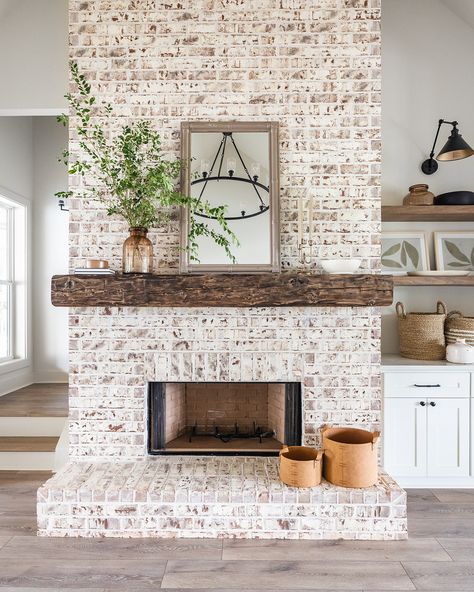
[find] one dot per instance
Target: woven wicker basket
(459, 327)
(422, 333)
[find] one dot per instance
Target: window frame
(19, 281)
(9, 282)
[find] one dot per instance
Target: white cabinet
(404, 437)
(448, 437)
(427, 427)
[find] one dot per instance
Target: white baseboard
(435, 482)
(15, 380)
(27, 461)
(32, 426)
(44, 376)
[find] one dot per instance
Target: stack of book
(89, 271)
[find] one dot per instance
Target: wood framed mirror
(234, 164)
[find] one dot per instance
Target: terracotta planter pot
(350, 456)
(300, 466)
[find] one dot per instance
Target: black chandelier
(253, 180)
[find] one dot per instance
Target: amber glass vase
(137, 252)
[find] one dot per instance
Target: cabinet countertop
(395, 363)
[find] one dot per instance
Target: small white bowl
(340, 265)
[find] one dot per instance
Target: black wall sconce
(456, 148)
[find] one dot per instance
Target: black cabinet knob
(433, 404)
(422, 403)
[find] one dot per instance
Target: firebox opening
(223, 418)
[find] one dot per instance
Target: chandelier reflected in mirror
(216, 173)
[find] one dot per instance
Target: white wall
(33, 56)
(16, 155)
(427, 74)
(16, 179)
(50, 251)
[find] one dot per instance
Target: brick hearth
(205, 497)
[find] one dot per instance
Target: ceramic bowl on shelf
(340, 265)
(460, 352)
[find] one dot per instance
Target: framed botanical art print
(404, 251)
(454, 250)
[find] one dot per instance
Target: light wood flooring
(438, 556)
(36, 400)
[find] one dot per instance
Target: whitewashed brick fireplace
(313, 66)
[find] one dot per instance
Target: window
(12, 280)
(6, 282)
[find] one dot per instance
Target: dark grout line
(444, 548)
(408, 575)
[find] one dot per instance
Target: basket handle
(283, 450)
(319, 455)
(454, 313)
(375, 439)
(400, 308)
(441, 307)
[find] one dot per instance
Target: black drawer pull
(428, 385)
(422, 403)
(433, 404)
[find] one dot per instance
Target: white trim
(435, 482)
(15, 380)
(22, 325)
(13, 196)
(33, 112)
(13, 365)
(46, 376)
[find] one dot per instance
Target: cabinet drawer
(427, 384)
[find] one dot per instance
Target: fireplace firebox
(223, 418)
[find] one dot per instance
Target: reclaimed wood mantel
(222, 290)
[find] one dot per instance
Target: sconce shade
(456, 148)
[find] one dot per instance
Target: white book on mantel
(87, 271)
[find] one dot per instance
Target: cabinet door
(448, 437)
(405, 437)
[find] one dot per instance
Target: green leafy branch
(131, 177)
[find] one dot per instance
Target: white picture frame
(454, 250)
(411, 255)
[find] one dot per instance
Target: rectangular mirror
(233, 164)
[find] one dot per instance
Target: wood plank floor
(36, 400)
(438, 556)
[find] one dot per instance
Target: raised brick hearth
(313, 66)
(225, 497)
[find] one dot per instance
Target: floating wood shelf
(440, 280)
(428, 213)
(223, 290)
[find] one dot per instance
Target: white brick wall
(313, 65)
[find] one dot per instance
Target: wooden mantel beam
(222, 290)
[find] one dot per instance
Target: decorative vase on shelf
(137, 252)
(460, 352)
(418, 196)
